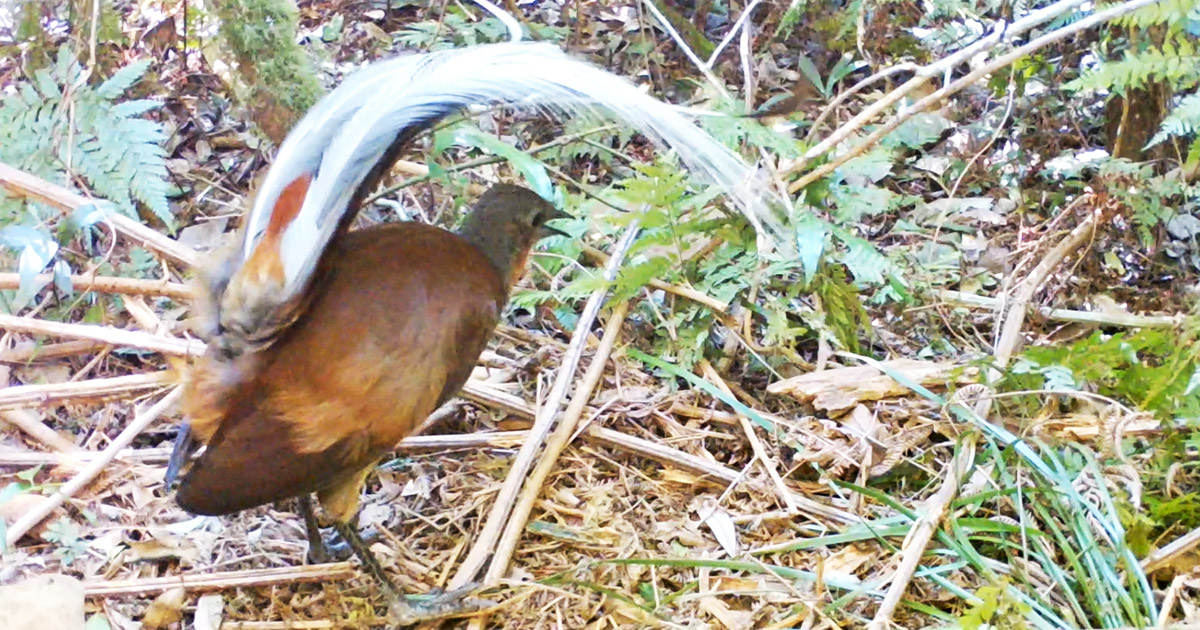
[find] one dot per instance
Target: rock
(46, 602)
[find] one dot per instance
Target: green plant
(1161, 48)
(56, 125)
(68, 537)
(1154, 368)
(59, 127)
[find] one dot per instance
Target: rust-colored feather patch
(288, 205)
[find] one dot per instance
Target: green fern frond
(1174, 63)
(122, 80)
(1172, 13)
(1184, 120)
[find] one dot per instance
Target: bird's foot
(407, 610)
(332, 547)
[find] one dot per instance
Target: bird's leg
(409, 610)
(322, 547)
(184, 446)
(350, 534)
(318, 551)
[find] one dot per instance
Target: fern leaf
(122, 79)
(1182, 121)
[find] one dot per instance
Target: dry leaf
(209, 612)
(165, 610)
(154, 549)
(731, 619)
(723, 529)
(847, 561)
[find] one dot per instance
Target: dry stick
(32, 518)
(108, 284)
(856, 88)
(729, 37)
(106, 334)
(554, 447)
(1015, 319)
(760, 452)
(541, 426)
(969, 79)
(599, 436)
(1130, 320)
(26, 353)
(925, 73)
(482, 161)
(29, 424)
(221, 580)
(27, 185)
(922, 532)
(25, 396)
(1172, 551)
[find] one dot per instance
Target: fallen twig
(109, 284)
(24, 396)
(26, 352)
(985, 70)
(1130, 320)
(535, 484)
(222, 580)
(29, 424)
(1014, 319)
(139, 423)
(26, 185)
(107, 334)
(760, 452)
(922, 532)
(675, 289)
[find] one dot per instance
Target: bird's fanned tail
(344, 143)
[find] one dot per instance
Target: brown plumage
(393, 325)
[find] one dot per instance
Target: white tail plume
(348, 133)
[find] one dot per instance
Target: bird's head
(505, 223)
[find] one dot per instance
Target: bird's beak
(548, 229)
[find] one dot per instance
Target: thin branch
(953, 88)
(106, 334)
(1128, 320)
(737, 26)
(426, 174)
(26, 185)
(1001, 33)
(698, 297)
(109, 284)
(27, 352)
(1014, 320)
(922, 532)
(29, 424)
(700, 65)
(35, 516)
(25, 396)
(760, 452)
(221, 580)
(558, 442)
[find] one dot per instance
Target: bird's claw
(435, 605)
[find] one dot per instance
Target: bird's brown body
(394, 323)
